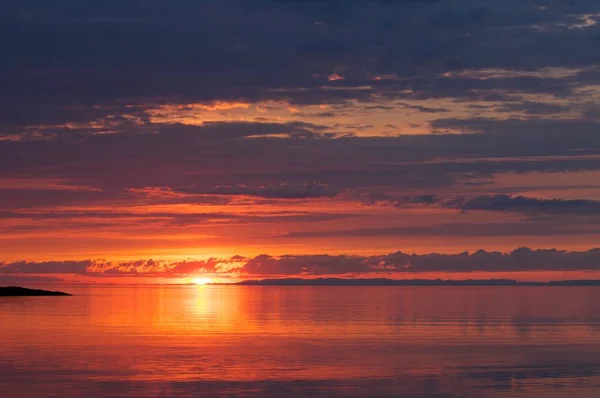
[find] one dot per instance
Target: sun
(201, 281)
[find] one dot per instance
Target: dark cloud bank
(79, 69)
(519, 260)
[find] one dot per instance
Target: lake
(268, 341)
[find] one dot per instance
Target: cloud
(579, 129)
(89, 219)
(417, 40)
(522, 259)
(46, 267)
(514, 204)
(524, 229)
(221, 160)
(533, 108)
(300, 265)
(425, 109)
(281, 191)
(224, 154)
(398, 263)
(143, 111)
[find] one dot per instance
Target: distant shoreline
(405, 282)
(4, 291)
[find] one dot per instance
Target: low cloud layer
(394, 264)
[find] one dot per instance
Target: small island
(11, 291)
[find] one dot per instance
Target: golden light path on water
(186, 340)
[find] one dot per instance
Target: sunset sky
(149, 140)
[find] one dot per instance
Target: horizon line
(347, 282)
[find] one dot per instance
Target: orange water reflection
(519, 341)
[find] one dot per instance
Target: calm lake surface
(251, 341)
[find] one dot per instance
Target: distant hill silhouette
(22, 291)
(409, 282)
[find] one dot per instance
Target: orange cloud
(335, 76)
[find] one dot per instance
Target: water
(302, 341)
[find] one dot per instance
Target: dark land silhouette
(409, 282)
(22, 291)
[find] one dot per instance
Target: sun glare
(201, 281)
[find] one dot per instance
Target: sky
(150, 140)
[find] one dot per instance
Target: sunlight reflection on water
(303, 341)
